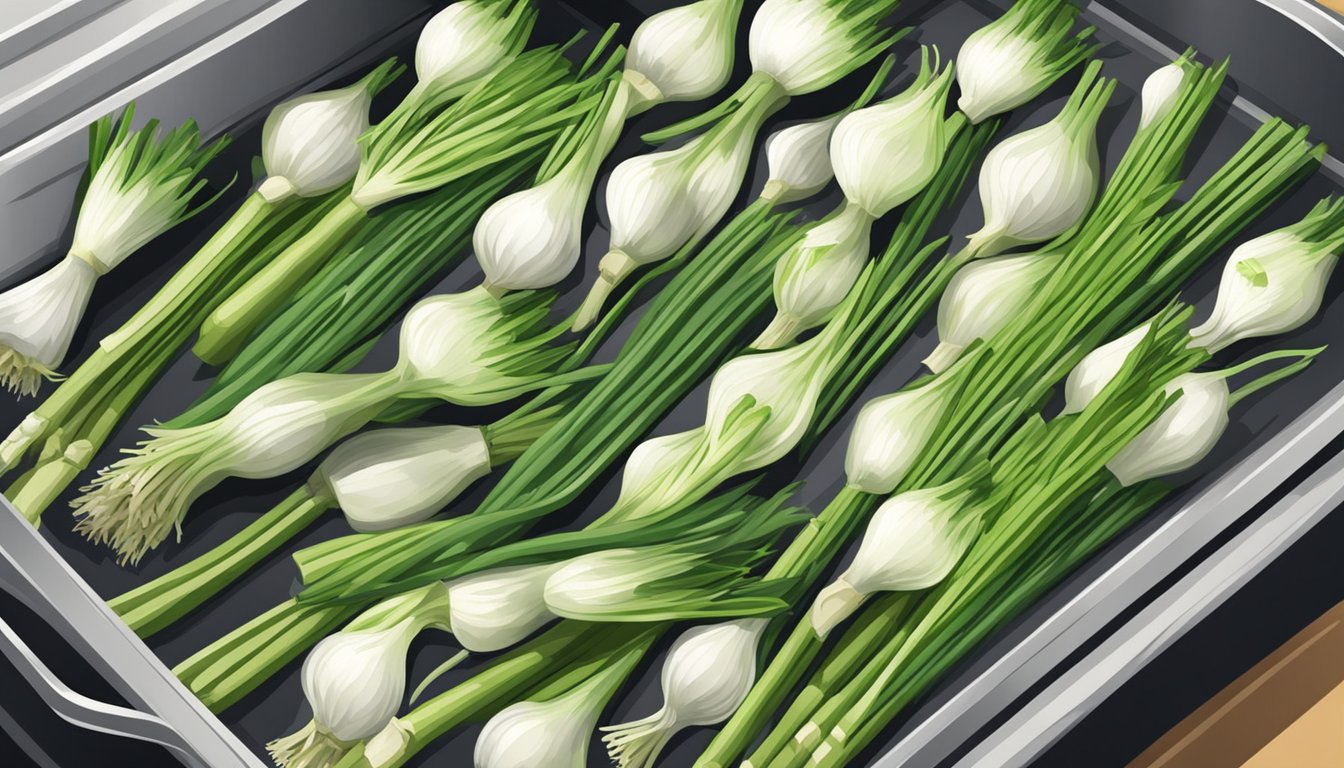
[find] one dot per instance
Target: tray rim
(1330, 416)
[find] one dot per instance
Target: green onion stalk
(416, 151)
(1039, 473)
(978, 419)
(696, 564)
(136, 186)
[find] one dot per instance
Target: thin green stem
(157, 604)
(234, 320)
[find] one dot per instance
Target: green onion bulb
(1097, 368)
(496, 609)
(982, 297)
(1039, 183)
(467, 348)
(310, 144)
(891, 431)
(1011, 60)
(553, 733)
(1276, 282)
(355, 679)
(1160, 91)
(798, 159)
(683, 53)
(1182, 435)
(389, 478)
(912, 542)
(882, 155)
(706, 676)
(467, 39)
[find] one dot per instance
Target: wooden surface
(1283, 713)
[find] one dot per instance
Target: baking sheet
(235, 503)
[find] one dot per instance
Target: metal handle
(78, 709)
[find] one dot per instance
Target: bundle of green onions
(885, 153)
(663, 201)
(329, 324)
(75, 420)
(927, 435)
(469, 348)
(137, 185)
(432, 140)
(379, 480)
(311, 148)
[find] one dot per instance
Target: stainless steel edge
(21, 34)
(1038, 655)
(32, 571)
(81, 710)
(249, 65)
(1078, 691)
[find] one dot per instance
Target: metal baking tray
(227, 69)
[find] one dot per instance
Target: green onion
(138, 185)
(358, 292)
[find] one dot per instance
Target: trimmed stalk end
(643, 93)
(834, 604)
(943, 356)
(18, 441)
(774, 190)
(51, 479)
(614, 267)
(276, 189)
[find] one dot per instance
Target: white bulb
(805, 45)
(533, 238)
(1160, 92)
(467, 39)
(1036, 185)
(982, 298)
(496, 609)
(1097, 368)
(552, 733)
(1011, 60)
(651, 205)
(390, 478)
(1270, 285)
(706, 676)
(355, 680)
(912, 542)
(1182, 435)
(38, 318)
(815, 275)
(686, 52)
(890, 433)
(312, 142)
(799, 160)
(886, 153)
